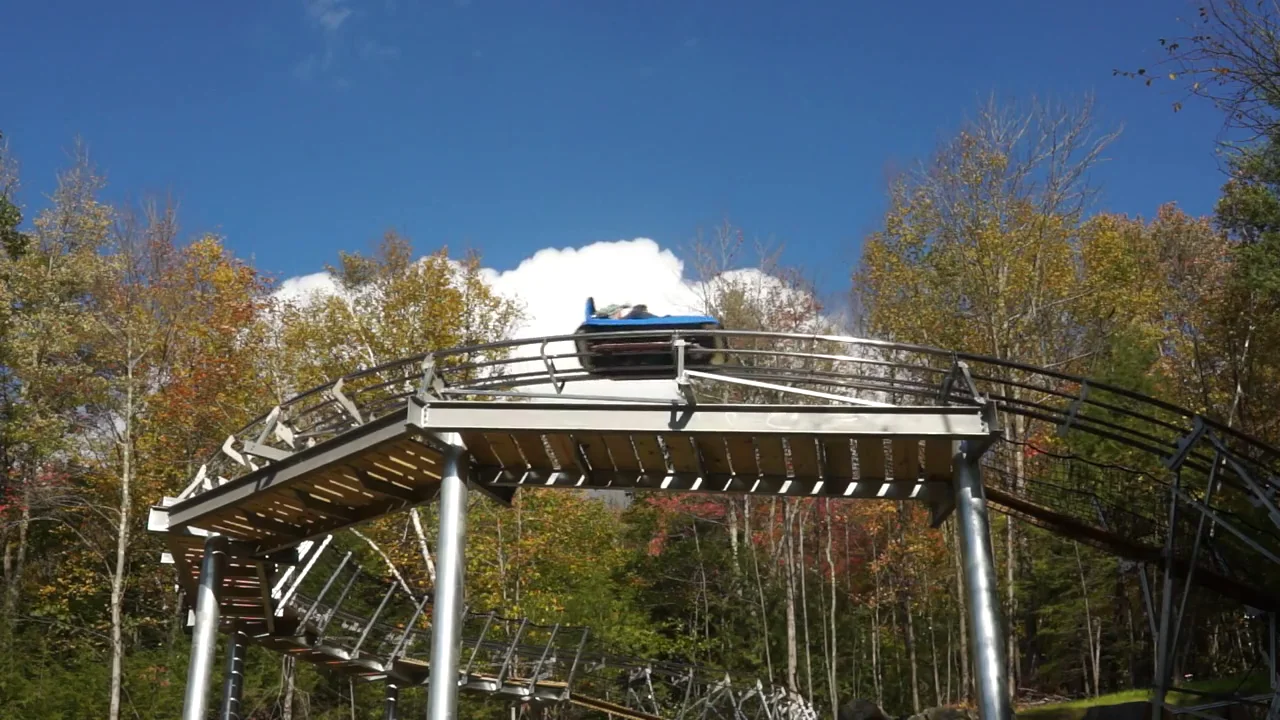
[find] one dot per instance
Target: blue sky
(300, 127)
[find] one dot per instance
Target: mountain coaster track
(780, 414)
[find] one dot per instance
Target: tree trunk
(933, 654)
(15, 558)
(1011, 624)
(950, 663)
(286, 704)
(755, 563)
(731, 510)
(517, 560)
(875, 630)
(788, 515)
(911, 652)
(962, 606)
(1019, 427)
(1133, 642)
(804, 609)
(1088, 621)
(832, 667)
(422, 544)
(503, 561)
(911, 658)
(826, 642)
(122, 543)
(702, 589)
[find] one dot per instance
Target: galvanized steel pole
(446, 620)
(233, 685)
(204, 638)
(980, 584)
(391, 699)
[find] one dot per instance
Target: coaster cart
(638, 355)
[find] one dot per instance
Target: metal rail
(1157, 437)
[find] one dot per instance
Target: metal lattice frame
(337, 614)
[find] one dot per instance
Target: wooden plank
(773, 457)
(562, 450)
(650, 454)
(871, 459)
(624, 456)
(505, 448)
(339, 488)
(684, 458)
(804, 456)
(379, 481)
(594, 448)
(839, 458)
(937, 459)
(530, 444)
(715, 456)
(742, 453)
(426, 457)
(906, 459)
(478, 445)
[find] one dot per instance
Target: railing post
(204, 637)
(446, 621)
(980, 585)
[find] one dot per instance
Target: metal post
(393, 697)
(233, 686)
(980, 583)
(204, 636)
(446, 621)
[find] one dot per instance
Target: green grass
(1256, 682)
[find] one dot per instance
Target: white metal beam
(457, 416)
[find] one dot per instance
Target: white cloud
(553, 285)
(300, 287)
(328, 14)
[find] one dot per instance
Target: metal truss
(343, 616)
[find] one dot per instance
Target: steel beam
(759, 485)
(205, 635)
(457, 416)
(191, 510)
(233, 684)
(446, 621)
(980, 583)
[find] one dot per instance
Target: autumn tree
(1230, 58)
(48, 281)
(980, 251)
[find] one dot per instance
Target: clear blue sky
(299, 127)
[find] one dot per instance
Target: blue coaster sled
(644, 356)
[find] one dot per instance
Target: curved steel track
(1109, 458)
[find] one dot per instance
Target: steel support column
(392, 699)
(446, 620)
(204, 638)
(233, 685)
(980, 584)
